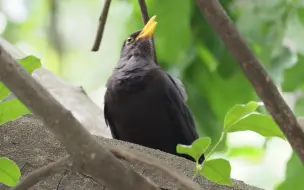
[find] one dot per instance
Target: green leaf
(3, 91)
(299, 107)
(11, 110)
(198, 147)
(9, 172)
(294, 175)
(217, 170)
(239, 112)
(259, 123)
(186, 149)
(207, 57)
(300, 12)
(30, 63)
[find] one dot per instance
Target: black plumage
(144, 104)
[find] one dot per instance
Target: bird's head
(139, 43)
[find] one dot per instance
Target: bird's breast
(133, 93)
(131, 81)
(139, 111)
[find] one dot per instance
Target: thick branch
(256, 74)
(86, 152)
(27, 132)
(42, 173)
(101, 26)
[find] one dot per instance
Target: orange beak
(148, 29)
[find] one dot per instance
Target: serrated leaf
(259, 123)
(198, 147)
(9, 172)
(11, 110)
(30, 63)
(239, 112)
(217, 170)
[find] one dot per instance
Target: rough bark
(32, 146)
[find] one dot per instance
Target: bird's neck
(134, 64)
(129, 73)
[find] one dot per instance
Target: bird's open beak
(148, 30)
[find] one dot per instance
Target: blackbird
(143, 104)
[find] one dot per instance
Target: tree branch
(42, 173)
(88, 155)
(101, 26)
(135, 157)
(145, 17)
(144, 10)
(256, 74)
(28, 132)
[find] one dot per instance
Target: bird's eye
(130, 39)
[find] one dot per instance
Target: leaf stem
(197, 168)
(216, 145)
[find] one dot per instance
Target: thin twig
(145, 17)
(101, 26)
(42, 173)
(256, 74)
(53, 30)
(136, 157)
(144, 10)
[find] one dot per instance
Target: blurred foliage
(294, 175)
(294, 76)
(189, 49)
(186, 47)
(251, 153)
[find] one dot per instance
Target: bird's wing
(179, 111)
(180, 86)
(107, 117)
